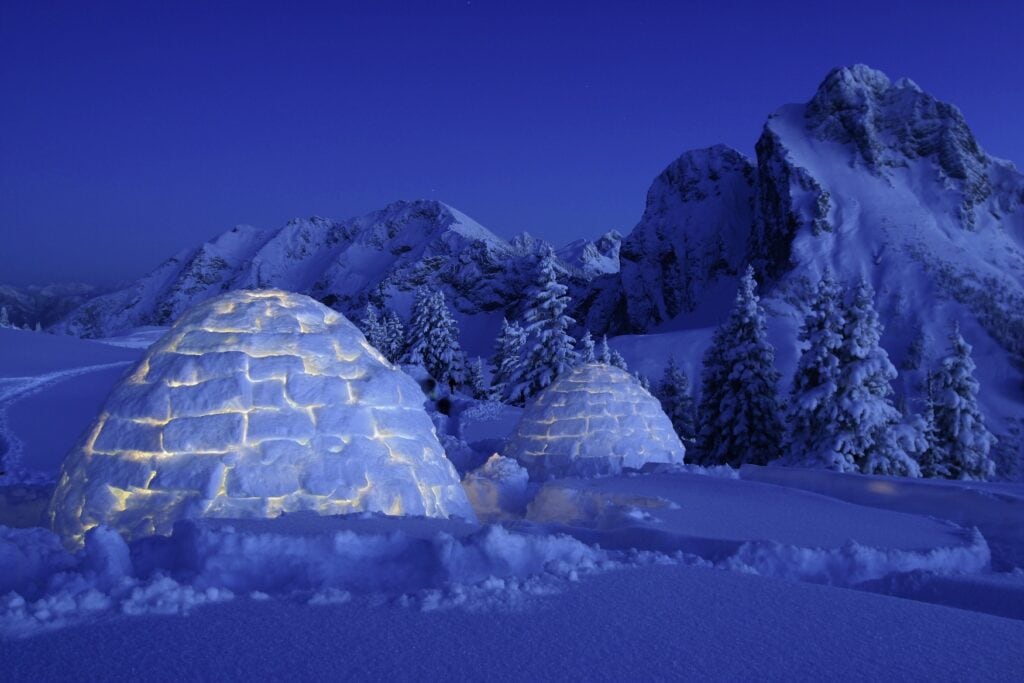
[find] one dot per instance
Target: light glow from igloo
(253, 404)
(596, 419)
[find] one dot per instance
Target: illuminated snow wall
(256, 403)
(597, 419)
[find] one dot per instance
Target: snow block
(247, 407)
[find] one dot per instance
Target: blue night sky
(132, 130)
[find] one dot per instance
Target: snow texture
(595, 419)
(256, 403)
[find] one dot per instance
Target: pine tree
(434, 339)
(739, 412)
(867, 419)
(812, 418)
(642, 379)
(5, 320)
(507, 361)
(476, 383)
(586, 351)
(677, 401)
(617, 361)
(551, 352)
(928, 456)
(604, 352)
(394, 336)
(372, 328)
(961, 440)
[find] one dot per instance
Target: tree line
(839, 413)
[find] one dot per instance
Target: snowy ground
(765, 573)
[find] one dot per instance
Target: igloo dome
(596, 419)
(253, 404)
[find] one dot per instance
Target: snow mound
(499, 488)
(594, 420)
(253, 404)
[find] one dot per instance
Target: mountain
(380, 257)
(871, 178)
(44, 305)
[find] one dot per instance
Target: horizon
(141, 130)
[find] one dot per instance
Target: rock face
(594, 420)
(693, 234)
(256, 403)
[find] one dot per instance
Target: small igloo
(253, 404)
(596, 419)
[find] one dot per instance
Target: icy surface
(596, 419)
(254, 404)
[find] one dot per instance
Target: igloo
(596, 419)
(253, 404)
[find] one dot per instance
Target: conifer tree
(739, 413)
(643, 380)
(677, 401)
(507, 361)
(551, 351)
(604, 352)
(867, 419)
(372, 328)
(586, 350)
(434, 339)
(394, 336)
(813, 413)
(5, 320)
(476, 383)
(961, 440)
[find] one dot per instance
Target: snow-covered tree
(739, 412)
(551, 351)
(476, 383)
(616, 360)
(961, 440)
(604, 352)
(929, 457)
(813, 413)
(394, 336)
(5, 320)
(677, 401)
(372, 328)
(508, 359)
(643, 381)
(434, 339)
(586, 349)
(867, 419)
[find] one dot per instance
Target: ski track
(14, 389)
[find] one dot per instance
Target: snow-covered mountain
(378, 257)
(871, 178)
(45, 304)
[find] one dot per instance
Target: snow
(595, 419)
(256, 403)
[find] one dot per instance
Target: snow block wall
(596, 419)
(256, 403)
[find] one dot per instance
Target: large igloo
(596, 419)
(253, 404)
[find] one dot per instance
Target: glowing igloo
(253, 404)
(596, 419)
